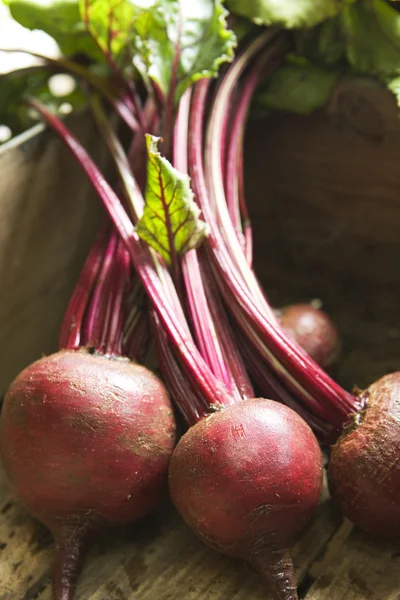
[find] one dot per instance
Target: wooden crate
(325, 200)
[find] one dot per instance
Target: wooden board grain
(325, 199)
(327, 220)
(356, 568)
(158, 558)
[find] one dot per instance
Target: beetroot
(364, 475)
(247, 480)
(85, 442)
(86, 433)
(313, 330)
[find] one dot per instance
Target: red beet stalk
(307, 324)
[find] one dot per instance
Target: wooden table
(327, 225)
(160, 559)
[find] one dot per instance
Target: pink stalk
(248, 232)
(121, 278)
(190, 403)
(204, 327)
(70, 334)
(210, 388)
(282, 355)
(93, 330)
(234, 184)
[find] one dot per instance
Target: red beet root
(364, 474)
(247, 480)
(85, 442)
(313, 330)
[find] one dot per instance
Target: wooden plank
(327, 222)
(158, 558)
(355, 567)
(48, 215)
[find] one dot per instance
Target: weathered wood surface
(47, 220)
(326, 211)
(325, 200)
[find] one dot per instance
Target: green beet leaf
(188, 38)
(172, 42)
(300, 88)
(287, 13)
(323, 45)
(393, 86)
(58, 18)
(170, 223)
(372, 31)
(112, 25)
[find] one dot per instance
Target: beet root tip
(276, 568)
(68, 561)
(246, 480)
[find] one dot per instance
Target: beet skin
(247, 480)
(313, 330)
(85, 442)
(364, 468)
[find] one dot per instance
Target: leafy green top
(58, 18)
(185, 39)
(363, 38)
(173, 43)
(163, 37)
(287, 13)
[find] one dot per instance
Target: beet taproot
(246, 480)
(85, 443)
(313, 330)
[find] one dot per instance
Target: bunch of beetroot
(87, 434)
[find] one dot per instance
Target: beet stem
(189, 401)
(236, 277)
(71, 328)
(137, 155)
(226, 334)
(121, 279)
(204, 325)
(234, 180)
(170, 100)
(97, 315)
(143, 260)
(136, 334)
